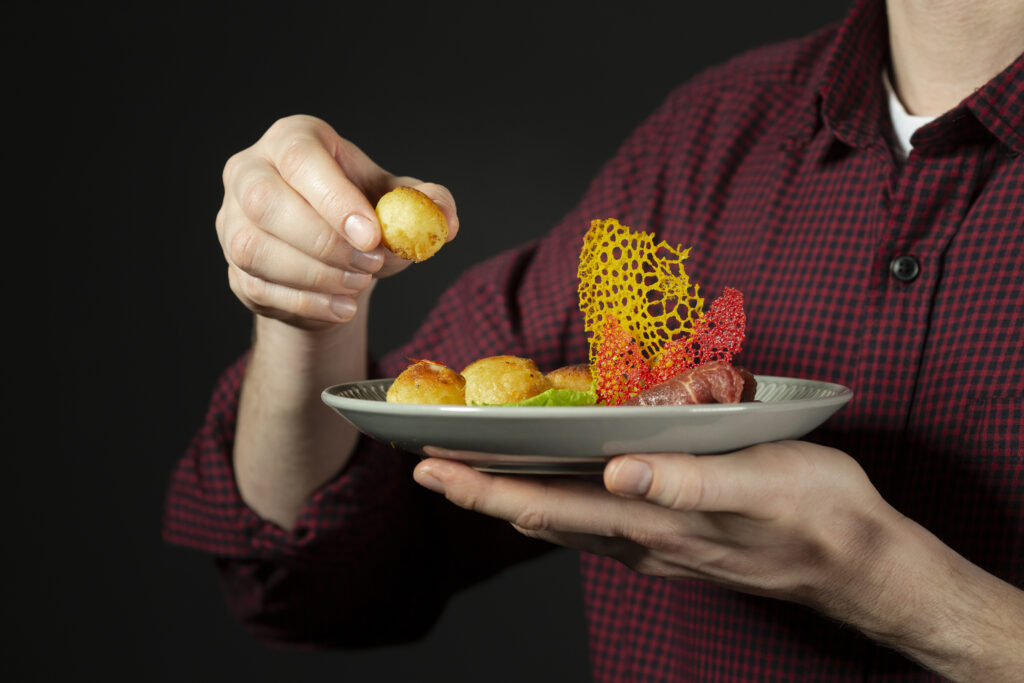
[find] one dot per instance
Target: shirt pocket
(996, 431)
(989, 501)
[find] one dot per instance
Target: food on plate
(572, 377)
(412, 225)
(494, 381)
(714, 382)
(499, 380)
(572, 385)
(651, 341)
(425, 381)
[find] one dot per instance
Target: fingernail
(343, 307)
(356, 280)
(427, 480)
(360, 230)
(632, 477)
(368, 261)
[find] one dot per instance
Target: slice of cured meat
(716, 382)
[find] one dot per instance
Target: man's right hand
(298, 227)
(302, 241)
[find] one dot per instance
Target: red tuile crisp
(620, 370)
(717, 336)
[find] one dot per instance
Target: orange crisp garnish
(644, 316)
(619, 370)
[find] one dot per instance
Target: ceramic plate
(564, 440)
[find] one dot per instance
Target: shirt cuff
(204, 510)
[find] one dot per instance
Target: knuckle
(679, 487)
(688, 494)
(229, 169)
(245, 288)
(220, 222)
(253, 289)
(321, 279)
(325, 244)
(289, 124)
(233, 166)
(295, 154)
(331, 206)
(244, 249)
(234, 281)
(470, 500)
(257, 197)
(281, 127)
(299, 303)
(532, 518)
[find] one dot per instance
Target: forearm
(938, 608)
(288, 443)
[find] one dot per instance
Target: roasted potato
(574, 377)
(503, 379)
(412, 225)
(428, 382)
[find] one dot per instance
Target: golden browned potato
(427, 382)
(412, 225)
(574, 377)
(503, 379)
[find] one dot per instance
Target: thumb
(712, 483)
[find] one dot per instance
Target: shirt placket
(927, 200)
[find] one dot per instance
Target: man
(868, 255)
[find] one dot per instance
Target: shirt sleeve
(373, 556)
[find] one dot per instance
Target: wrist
(287, 442)
(302, 358)
(917, 595)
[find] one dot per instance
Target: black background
(123, 117)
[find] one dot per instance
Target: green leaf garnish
(559, 397)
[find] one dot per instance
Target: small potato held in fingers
(412, 225)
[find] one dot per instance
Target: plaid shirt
(900, 280)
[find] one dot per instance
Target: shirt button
(905, 268)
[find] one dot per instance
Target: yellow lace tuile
(628, 278)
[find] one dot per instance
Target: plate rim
(841, 394)
(469, 431)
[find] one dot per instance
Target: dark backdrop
(513, 106)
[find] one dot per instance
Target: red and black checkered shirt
(902, 280)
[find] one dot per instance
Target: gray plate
(564, 440)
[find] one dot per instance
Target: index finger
(304, 162)
(535, 504)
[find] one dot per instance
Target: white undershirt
(903, 124)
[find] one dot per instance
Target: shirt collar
(999, 105)
(850, 86)
(852, 96)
